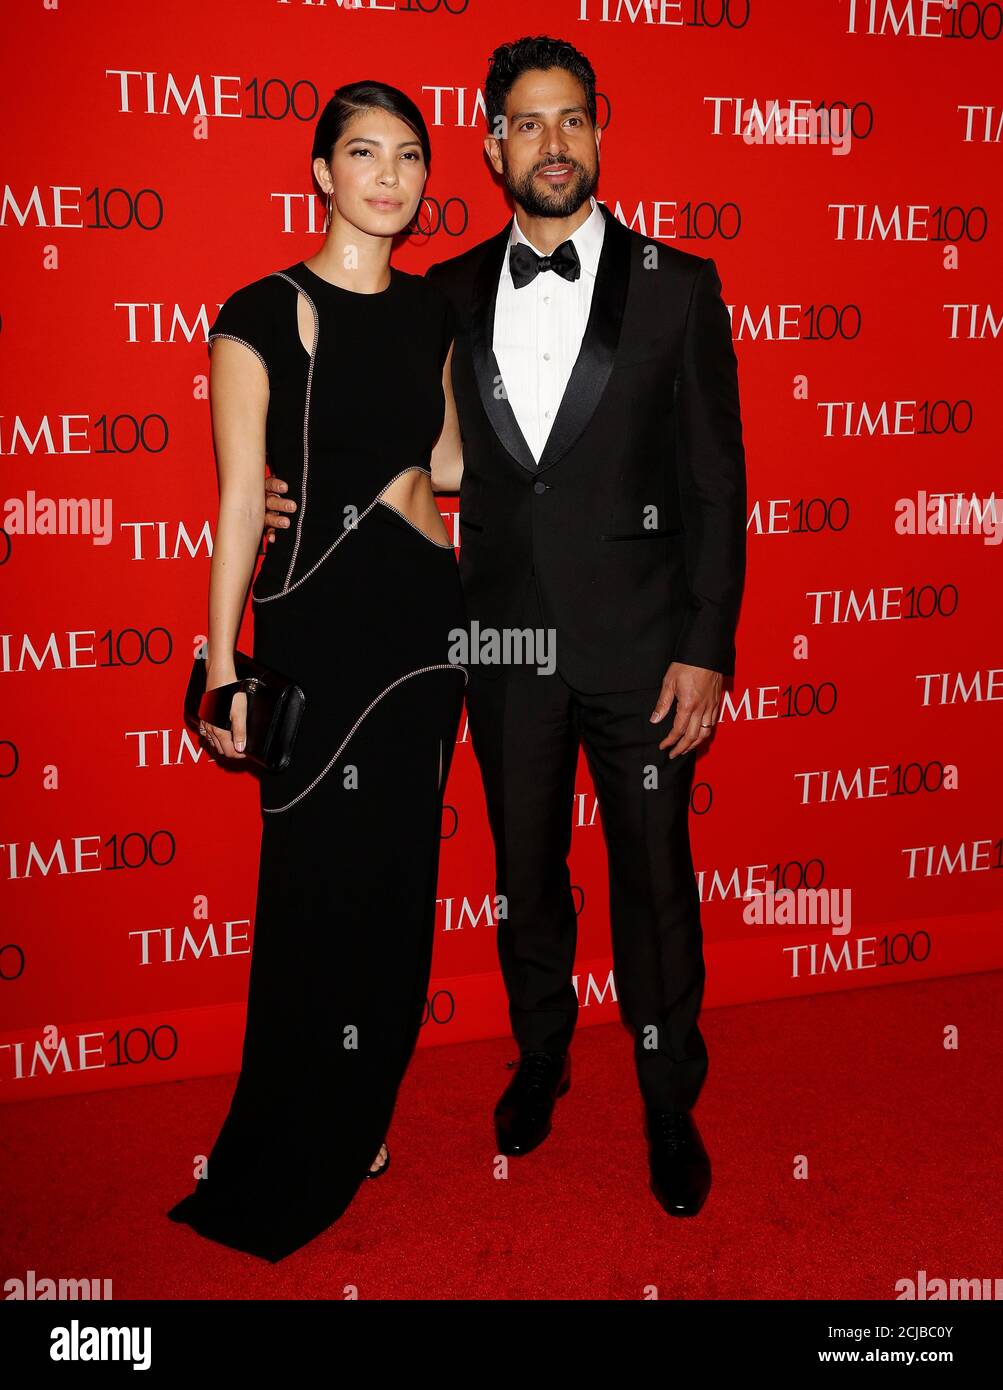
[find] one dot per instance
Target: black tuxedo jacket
(633, 523)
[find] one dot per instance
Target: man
(603, 497)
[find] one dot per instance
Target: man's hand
(277, 507)
(697, 693)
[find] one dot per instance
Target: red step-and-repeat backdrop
(840, 160)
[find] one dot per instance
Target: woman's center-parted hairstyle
(510, 60)
(354, 98)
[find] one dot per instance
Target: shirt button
(546, 299)
(546, 414)
(546, 357)
(539, 486)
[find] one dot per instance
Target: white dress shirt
(539, 328)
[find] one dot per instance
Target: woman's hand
(228, 743)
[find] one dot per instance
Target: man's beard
(563, 200)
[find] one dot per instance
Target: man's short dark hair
(510, 60)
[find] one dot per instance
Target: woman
(338, 368)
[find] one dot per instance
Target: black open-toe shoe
(383, 1168)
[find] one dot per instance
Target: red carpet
(901, 1138)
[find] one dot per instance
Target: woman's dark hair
(510, 60)
(348, 101)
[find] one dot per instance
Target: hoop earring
(330, 211)
(415, 227)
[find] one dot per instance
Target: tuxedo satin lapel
(599, 343)
(486, 369)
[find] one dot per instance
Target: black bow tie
(525, 264)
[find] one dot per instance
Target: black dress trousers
(526, 729)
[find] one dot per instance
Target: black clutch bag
(274, 709)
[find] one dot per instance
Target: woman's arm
(238, 394)
(447, 456)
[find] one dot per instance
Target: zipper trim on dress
(306, 420)
(441, 666)
(234, 339)
(269, 598)
(443, 545)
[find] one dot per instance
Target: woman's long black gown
(358, 605)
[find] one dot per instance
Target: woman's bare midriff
(412, 495)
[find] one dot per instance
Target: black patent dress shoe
(678, 1161)
(523, 1114)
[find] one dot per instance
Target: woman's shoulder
(260, 294)
(249, 315)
